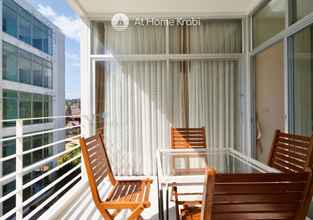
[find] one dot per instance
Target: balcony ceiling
(100, 8)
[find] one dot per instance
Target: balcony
(56, 187)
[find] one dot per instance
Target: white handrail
(50, 131)
(51, 144)
(40, 148)
(41, 118)
(49, 172)
(32, 167)
(40, 132)
(20, 205)
(32, 213)
(45, 161)
(29, 200)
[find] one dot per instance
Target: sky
(59, 12)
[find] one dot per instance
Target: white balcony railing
(58, 171)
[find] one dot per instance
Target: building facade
(32, 84)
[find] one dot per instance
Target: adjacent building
(31, 83)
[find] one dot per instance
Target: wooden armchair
(252, 196)
(98, 167)
(291, 153)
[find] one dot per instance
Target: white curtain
(211, 36)
(135, 39)
(213, 94)
(142, 100)
(141, 103)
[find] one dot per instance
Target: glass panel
(19, 23)
(37, 142)
(136, 39)
(25, 67)
(9, 19)
(269, 97)
(37, 108)
(301, 9)
(38, 35)
(303, 82)
(25, 27)
(194, 163)
(211, 36)
(269, 21)
(37, 71)
(46, 110)
(25, 107)
(8, 149)
(9, 62)
(27, 145)
(47, 74)
(9, 107)
(45, 39)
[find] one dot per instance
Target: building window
(22, 66)
(26, 105)
(269, 21)
(37, 71)
(25, 67)
(9, 107)
(21, 24)
(9, 62)
(25, 28)
(37, 108)
(9, 18)
(47, 74)
(300, 8)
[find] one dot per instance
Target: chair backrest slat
(256, 196)
(188, 138)
(97, 163)
(290, 152)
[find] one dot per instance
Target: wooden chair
(291, 153)
(124, 194)
(252, 197)
(188, 138)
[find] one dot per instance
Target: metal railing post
(19, 169)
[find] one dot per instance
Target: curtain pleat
(212, 99)
(142, 100)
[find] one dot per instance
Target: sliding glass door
(301, 82)
(269, 98)
(147, 81)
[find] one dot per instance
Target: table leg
(161, 214)
(167, 203)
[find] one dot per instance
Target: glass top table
(186, 167)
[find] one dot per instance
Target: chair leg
(136, 213)
(106, 215)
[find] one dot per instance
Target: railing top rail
(41, 118)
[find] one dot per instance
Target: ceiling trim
(77, 7)
(201, 15)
